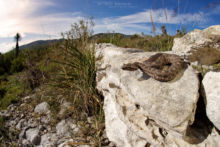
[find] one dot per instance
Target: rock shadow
(202, 126)
(144, 77)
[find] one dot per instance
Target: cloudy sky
(46, 19)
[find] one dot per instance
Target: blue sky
(46, 19)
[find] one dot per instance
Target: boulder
(141, 111)
(211, 84)
(202, 46)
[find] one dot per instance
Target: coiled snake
(161, 66)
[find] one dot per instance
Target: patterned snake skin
(162, 67)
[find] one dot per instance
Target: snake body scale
(161, 66)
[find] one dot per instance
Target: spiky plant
(17, 39)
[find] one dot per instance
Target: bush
(78, 73)
(2, 92)
(2, 70)
(17, 65)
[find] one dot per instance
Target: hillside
(40, 43)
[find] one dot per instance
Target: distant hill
(50, 42)
(40, 43)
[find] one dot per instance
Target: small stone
(22, 135)
(26, 143)
(33, 136)
(5, 114)
(42, 108)
(27, 99)
(48, 140)
(32, 123)
(104, 135)
(62, 128)
(64, 107)
(22, 115)
(42, 128)
(90, 120)
(45, 119)
(83, 146)
(105, 141)
(20, 124)
(111, 144)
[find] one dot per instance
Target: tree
(164, 31)
(17, 38)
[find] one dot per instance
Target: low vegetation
(147, 43)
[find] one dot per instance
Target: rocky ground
(33, 126)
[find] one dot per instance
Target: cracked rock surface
(149, 112)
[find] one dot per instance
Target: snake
(161, 66)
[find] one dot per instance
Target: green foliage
(160, 43)
(216, 66)
(12, 89)
(113, 38)
(5, 62)
(135, 36)
(147, 43)
(2, 70)
(17, 65)
(78, 70)
(2, 92)
(10, 64)
(201, 69)
(3, 132)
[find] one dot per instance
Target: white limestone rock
(65, 106)
(66, 127)
(200, 45)
(33, 136)
(48, 140)
(211, 84)
(42, 108)
(139, 105)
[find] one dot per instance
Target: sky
(46, 19)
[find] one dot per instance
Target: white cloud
(124, 28)
(23, 16)
(141, 21)
(159, 17)
(15, 15)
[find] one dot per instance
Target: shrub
(2, 92)
(17, 65)
(2, 70)
(78, 69)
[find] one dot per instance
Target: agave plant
(17, 38)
